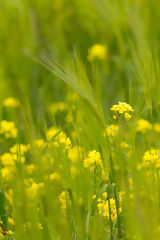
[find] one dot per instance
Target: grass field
(79, 119)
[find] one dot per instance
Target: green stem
(117, 208)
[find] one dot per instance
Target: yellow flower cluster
(10, 102)
(5, 234)
(19, 149)
(8, 129)
(54, 176)
(8, 173)
(39, 143)
(54, 108)
(9, 159)
(124, 145)
(112, 130)
(97, 51)
(59, 138)
(103, 205)
(122, 108)
(33, 188)
(143, 126)
(151, 158)
(64, 199)
(93, 159)
(30, 168)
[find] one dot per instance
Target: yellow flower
(152, 155)
(103, 205)
(122, 108)
(19, 148)
(131, 196)
(54, 176)
(11, 221)
(59, 138)
(10, 102)
(8, 173)
(94, 196)
(150, 158)
(104, 195)
(143, 126)
(127, 116)
(7, 159)
(74, 153)
(40, 226)
(16, 154)
(124, 145)
(93, 160)
(67, 143)
(34, 189)
(58, 107)
(30, 168)
(97, 51)
(52, 131)
(8, 129)
(112, 130)
(39, 143)
(130, 181)
(156, 127)
(64, 199)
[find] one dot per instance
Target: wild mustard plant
(68, 170)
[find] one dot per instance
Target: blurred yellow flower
(54, 108)
(8, 173)
(8, 129)
(59, 138)
(54, 176)
(30, 168)
(74, 153)
(10, 102)
(34, 189)
(7, 159)
(112, 130)
(11, 221)
(19, 148)
(150, 158)
(143, 126)
(156, 127)
(97, 51)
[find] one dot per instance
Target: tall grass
(64, 114)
